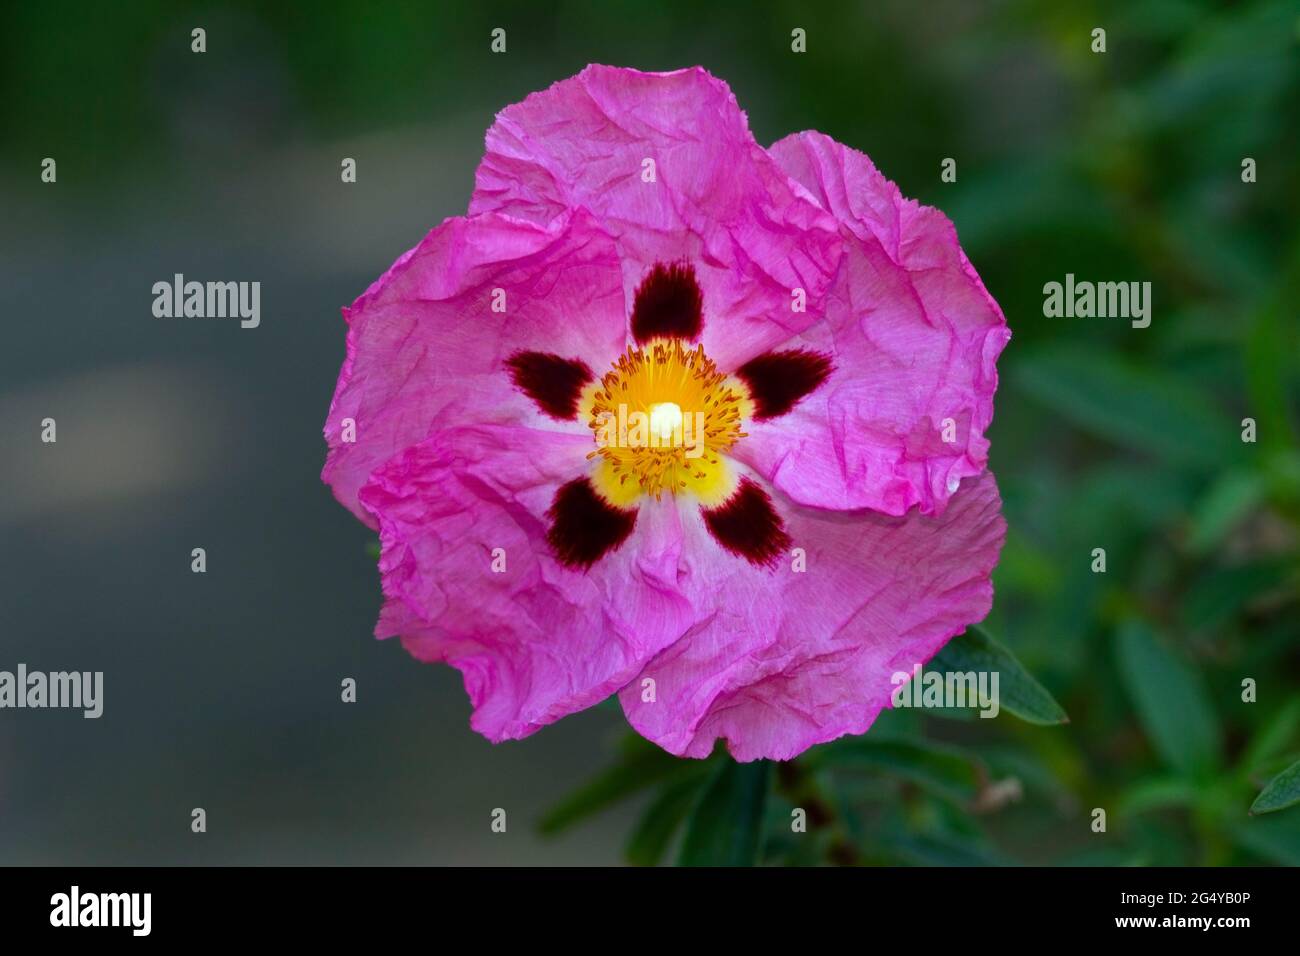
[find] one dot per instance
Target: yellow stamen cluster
(706, 421)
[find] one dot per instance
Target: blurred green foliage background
(1122, 166)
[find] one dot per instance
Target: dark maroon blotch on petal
(747, 525)
(778, 380)
(553, 382)
(668, 304)
(584, 526)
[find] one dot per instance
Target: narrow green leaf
(1275, 838)
(1230, 498)
(1018, 692)
(726, 826)
(1141, 407)
(1273, 738)
(942, 850)
(1171, 701)
(940, 769)
(1216, 596)
(1282, 791)
(634, 771)
(1158, 794)
(1266, 770)
(661, 820)
(1269, 344)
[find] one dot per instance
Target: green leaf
(1018, 692)
(661, 820)
(1266, 770)
(1282, 791)
(1216, 596)
(1171, 701)
(943, 770)
(1158, 794)
(1230, 498)
(1275, 838)
(1141, 407)
(726, 826)
(1268, 345)
(1274, 738)
(941, 850)
(637, 769)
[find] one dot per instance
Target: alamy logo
(208, 300)
(102, 909)
(1102, 300)
(921, 688)
(79, 690)
(664, 426)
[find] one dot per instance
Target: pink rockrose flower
(672, 415)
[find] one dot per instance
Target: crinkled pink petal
(425, 349)
(914, 337)
(535, 641)
(788, 658)
(717, 199)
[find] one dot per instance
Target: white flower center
(665, 419)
